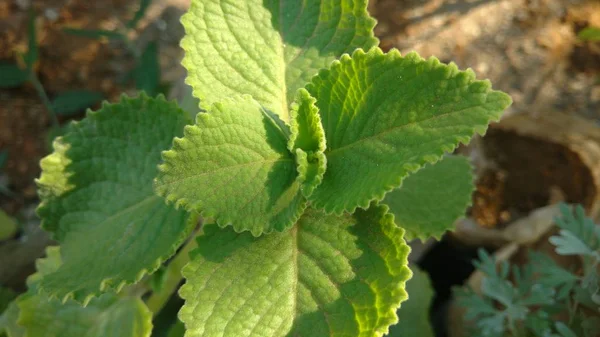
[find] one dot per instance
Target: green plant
(541, 291)
(146, 73)
(287, 168)
(589, 34)
(65, 103)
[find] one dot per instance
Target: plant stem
(158, 299)
(42, 93)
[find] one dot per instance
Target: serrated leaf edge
(108, 283)
(188, 20)
(425, 235)
(303, 161)
(411, 167)
(222, 220)
(390, 230)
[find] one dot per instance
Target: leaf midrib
(224, 168)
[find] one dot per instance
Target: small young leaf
(97, 198)
(72, 102)
(568, 244)
(139, 14)
(307, 140)
(94, 33)
(296, 40)
(234, 166)
(551, 274)
(147, 71)
(327, 276)
(430, 200)
(12, 76)
(385, 116)
(580, 226)
(414, 313)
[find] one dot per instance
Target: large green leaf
(385, 116)
(432, 199)
(327, 276)
(414, 314)
(97, 197)
(234, 166)
(36, 315)
(268, 48)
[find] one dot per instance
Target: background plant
(289, 169)
(528, 301)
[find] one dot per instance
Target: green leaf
(6, 296)
(97, 198)
(268, 49)
(234, 165)
(95, 33)
(580, 226)
(307, 140)
(147, 71)
(590, 34)
(414, 313)
(177, 329)
(12, 76)
(432, 199)
(564, 330)
(569, 244)
(74, 101)
(32, 51)
(385, 116)
(139, 14)
(109, 315)
(327, 276)
(551, 274)
(8, 321)
(8, 226)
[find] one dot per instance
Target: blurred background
(60, 57)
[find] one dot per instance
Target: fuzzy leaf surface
(327, 276)
(98, 202)
(268, 49)
(233, 165)
(109, 315)
(386, 115)
(432, 199)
